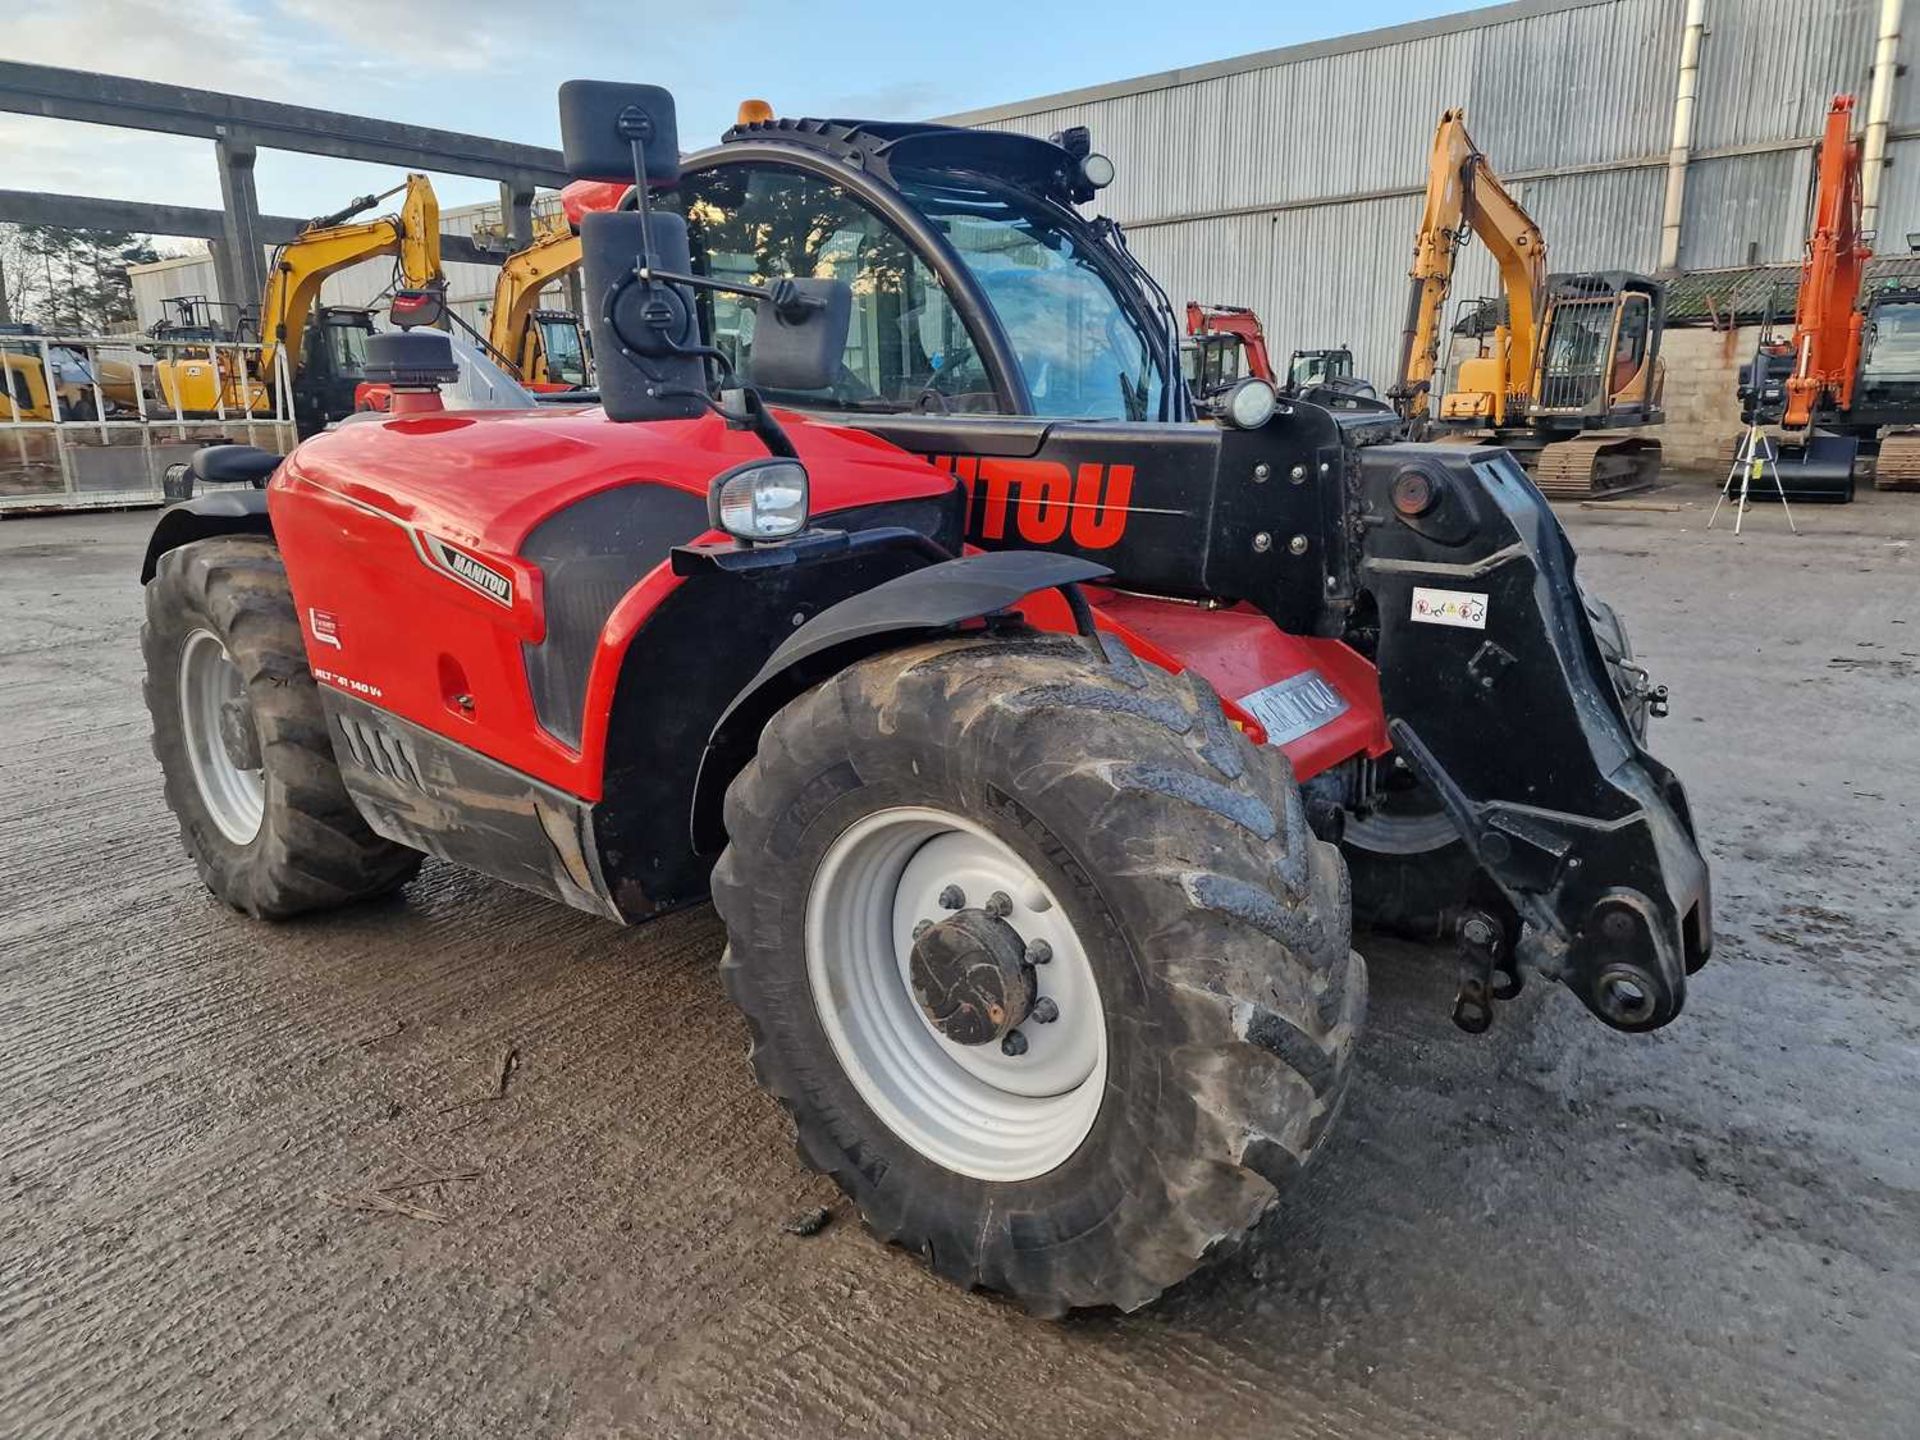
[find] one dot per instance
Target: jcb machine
(1567, 355)
(1018, 778)
(323, 348)
(1852, 366)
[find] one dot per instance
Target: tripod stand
(1756, 461)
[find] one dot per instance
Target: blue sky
(486, 67)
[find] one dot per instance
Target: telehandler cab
(1016, 777)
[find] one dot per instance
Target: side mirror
(601, 121)
(641, 332)
(800, 334)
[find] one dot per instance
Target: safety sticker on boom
(1296, 706)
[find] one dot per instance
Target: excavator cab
(333, 362)
(556, 352)
(1600, 365)
(1212, 362)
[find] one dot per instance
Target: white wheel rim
(970, 1108)
(235, 798)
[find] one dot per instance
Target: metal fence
(86, 421)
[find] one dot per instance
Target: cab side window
(907, 348)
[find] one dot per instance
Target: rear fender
(219, 512)
(914, 606)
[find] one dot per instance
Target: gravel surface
(262, 1179)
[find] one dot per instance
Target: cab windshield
(1893, 351)
(348, 344)
(1084, 354)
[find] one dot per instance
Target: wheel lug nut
(953, 898)
(1039, 952)
(1015, 1044)
(921, 927)
(1045, 1011)
(998, 905)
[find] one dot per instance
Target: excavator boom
(1826, 321)
(320, 250)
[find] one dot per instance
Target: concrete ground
(1549, 1230)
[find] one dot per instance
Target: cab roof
(883, 147)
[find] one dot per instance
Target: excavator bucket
(1818, 470)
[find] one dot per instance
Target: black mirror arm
(792, 306)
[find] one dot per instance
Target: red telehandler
(893, 596)
(1852, 367)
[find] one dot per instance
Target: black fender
(218, 512)
(897, 612)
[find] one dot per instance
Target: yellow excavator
(543, 347)
(324, 347)
(1557, 357)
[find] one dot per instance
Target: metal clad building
(1291, 180)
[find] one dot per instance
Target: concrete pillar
(1680, 151)
(1873, 149)
(243, 272)
(516, 209)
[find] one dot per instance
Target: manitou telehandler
(1565, 364)
(893, 597)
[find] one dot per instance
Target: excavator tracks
(1898, 465)
(1595, 467)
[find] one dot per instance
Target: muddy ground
(1549, 1230)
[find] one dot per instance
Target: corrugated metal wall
(1290, 181)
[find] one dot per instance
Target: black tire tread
(1211, 869)
(314, 850)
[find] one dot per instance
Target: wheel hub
(970, 978)
(238, 737)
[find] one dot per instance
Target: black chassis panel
(1212, 512)
(439, 797)
(1518, 729)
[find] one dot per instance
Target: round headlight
(1250, 404)
(761, 500)
(1096, 170)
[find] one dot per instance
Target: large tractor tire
(1410, 871)
(1043, 960)
(242, 740)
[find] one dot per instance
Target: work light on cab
(761, 500)
(1250, 404)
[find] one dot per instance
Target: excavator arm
(1464, 194)
(1827, 318)
(305, 262)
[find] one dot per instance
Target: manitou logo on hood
(469, 571)
(1046, 502)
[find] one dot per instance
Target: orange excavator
(1851, 370)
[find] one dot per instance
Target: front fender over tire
(1212, 924)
